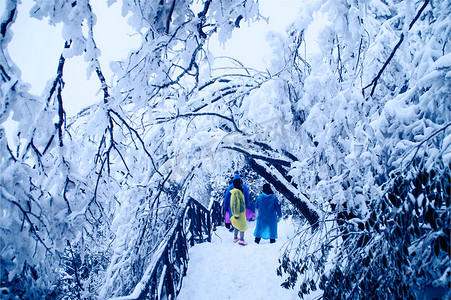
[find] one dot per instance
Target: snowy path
(224, 270)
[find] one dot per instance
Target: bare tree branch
(401, 39)
(8, 21)
(273, 161)
(74, 264)
(27, 218)
(138, 137)
(190, 115)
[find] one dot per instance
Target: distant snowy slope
(224, 270)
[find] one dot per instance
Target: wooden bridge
(163, 277)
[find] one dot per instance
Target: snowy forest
(356, 140)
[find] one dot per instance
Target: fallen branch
(283, 187)
(311, 215)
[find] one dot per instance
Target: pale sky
(36, 47)
(248, 43)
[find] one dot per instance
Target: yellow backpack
(237, 203)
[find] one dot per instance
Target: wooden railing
(163, 277)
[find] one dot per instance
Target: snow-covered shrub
(401, 248)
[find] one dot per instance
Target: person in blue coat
(268, 209)
(237, 182)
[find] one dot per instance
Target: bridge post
(191, 217)
(169, 282)
(209, 228)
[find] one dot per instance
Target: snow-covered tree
(377, 154)
(357, 138)
(92, 196)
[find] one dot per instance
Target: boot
(242, 242)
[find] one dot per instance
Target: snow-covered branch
(373, 83)
(193, 115)
(270, 160)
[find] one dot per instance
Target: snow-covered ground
(224, 270)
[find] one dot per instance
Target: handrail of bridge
(163, 277)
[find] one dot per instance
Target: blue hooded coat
(268, 209)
